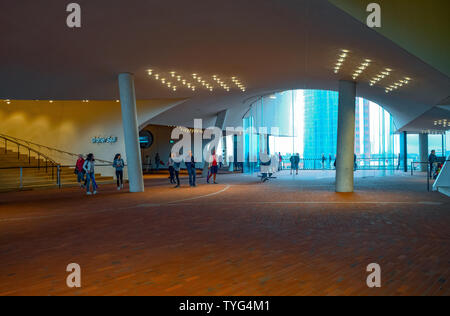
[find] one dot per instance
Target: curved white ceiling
(270, 45)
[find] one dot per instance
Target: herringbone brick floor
(291, 236)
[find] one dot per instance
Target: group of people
(85, 171)
(191, 166)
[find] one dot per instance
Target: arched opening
(307, 123)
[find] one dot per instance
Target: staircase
(35, 173)
(442, 183)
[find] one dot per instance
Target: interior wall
(71, 125)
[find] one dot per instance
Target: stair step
(32, 176)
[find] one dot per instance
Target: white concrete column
(423, 149)
(404, 150)
(131, 132)
(346, 137)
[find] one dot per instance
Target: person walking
(171, 170)
(177, 167)
(89, 168)
(192, 171)
(432, 159)
(119, 164)
(79, 171)
(213, 168)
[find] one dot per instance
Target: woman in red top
(79, 171)
(213, 169)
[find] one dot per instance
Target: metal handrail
(39, 154)
(15, 139)
(58, 172)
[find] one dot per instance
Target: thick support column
(423, 149)
(131, 132)
(444, 154)
(404, 150)
(346, 137)
(220, 123)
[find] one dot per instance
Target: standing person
(80, 171)
(399, 161)
(432, 159)
(296, 162)
(171, 164)
(220, 162)
(89, 168)
(192, 171)
(148, 163)
(213, 168)
(323, 161)
(280, 159)
(177, 167)
(157, 161)
(292, 160)
(119, 164)
(355, 164)
(331, 160)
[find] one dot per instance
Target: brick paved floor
(291, 236)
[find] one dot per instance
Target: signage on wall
(104, 140)
(145, 139)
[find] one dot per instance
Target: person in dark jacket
(89, 168)
(119, 164)
(432, 159)
(192, 171)
(171, 164)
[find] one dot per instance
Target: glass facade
(307, 122)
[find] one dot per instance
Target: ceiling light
(172, 73)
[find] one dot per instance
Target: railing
(56, 175)
(28, 144)
(28, 151)
(361, 164)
